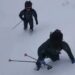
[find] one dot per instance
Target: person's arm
(35, 15)
(21, 15)
(67, 49)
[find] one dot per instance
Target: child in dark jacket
(27, 14)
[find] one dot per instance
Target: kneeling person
(52, 48)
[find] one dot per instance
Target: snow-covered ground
(52, 14)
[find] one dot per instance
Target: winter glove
(36, 22)
(73, 61)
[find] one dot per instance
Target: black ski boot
(38, 64)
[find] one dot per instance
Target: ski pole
(48, 66)
(29, 56)
(16, 25)
(10, 60)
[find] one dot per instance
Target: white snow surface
(52, 14)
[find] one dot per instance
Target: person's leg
(39, 62)
(31, 24)
(25, 25)
(40, 59)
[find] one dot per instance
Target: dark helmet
(28, 4)
(56, 37)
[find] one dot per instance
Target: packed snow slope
(52, 14)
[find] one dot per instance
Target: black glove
(73, 61)
(36, 22)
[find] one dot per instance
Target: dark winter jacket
(48, 50)
(28, 15)
(52, 48)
